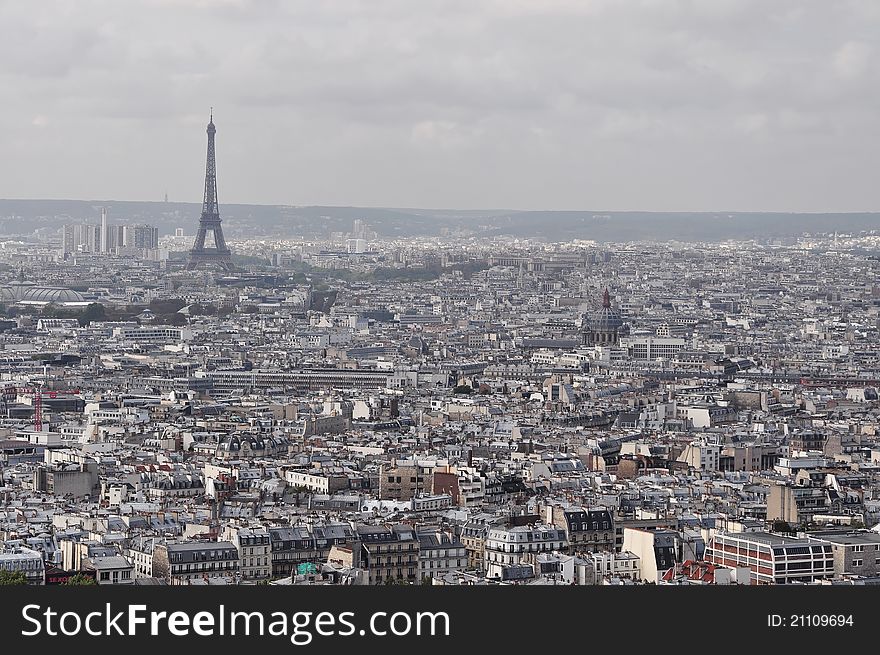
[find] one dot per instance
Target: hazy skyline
(666, 105)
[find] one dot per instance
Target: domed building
(28, 293)
(603, 327)
(57, 295)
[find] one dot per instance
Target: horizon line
(454, 209)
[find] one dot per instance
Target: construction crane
(11, 392)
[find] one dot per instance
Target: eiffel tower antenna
(219, 255)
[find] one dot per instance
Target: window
(799, 566)
(105, 575)
(390, 479)
(858, 549)
(857, 562)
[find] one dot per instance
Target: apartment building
(440, 552)
(507, 546)
(389, 553)
(403, 480)
(180, 564)
(253, 551)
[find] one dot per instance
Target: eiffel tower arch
(219, 255)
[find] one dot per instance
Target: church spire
(606, 299)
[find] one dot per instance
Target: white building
(506, 546)
(26, 560)
(153, 334)
(431, 503)
(615, 565)
(701, 455)
(652, 348)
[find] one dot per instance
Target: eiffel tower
(219, 255)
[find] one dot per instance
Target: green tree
(177, 319)
(80, 579)
(51, 310)
(12, 577)
(780, 526)
(167, 306)
(94, 312)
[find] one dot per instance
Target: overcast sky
(525, 104)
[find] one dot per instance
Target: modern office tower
(115, 238)
(359, 229)
(140, 236)
(356, 245)
(81, 238)
(103, 229)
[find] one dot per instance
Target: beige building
(319, 482)
(403, 480)
(795, 504)
(473, 538)
(655, 550)
(254, 551)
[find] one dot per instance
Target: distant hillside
(23, 217)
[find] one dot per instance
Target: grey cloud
(648, 104)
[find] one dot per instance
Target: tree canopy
(12, 577)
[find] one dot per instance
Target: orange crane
(10, 392)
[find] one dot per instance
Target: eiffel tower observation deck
(218, 255)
